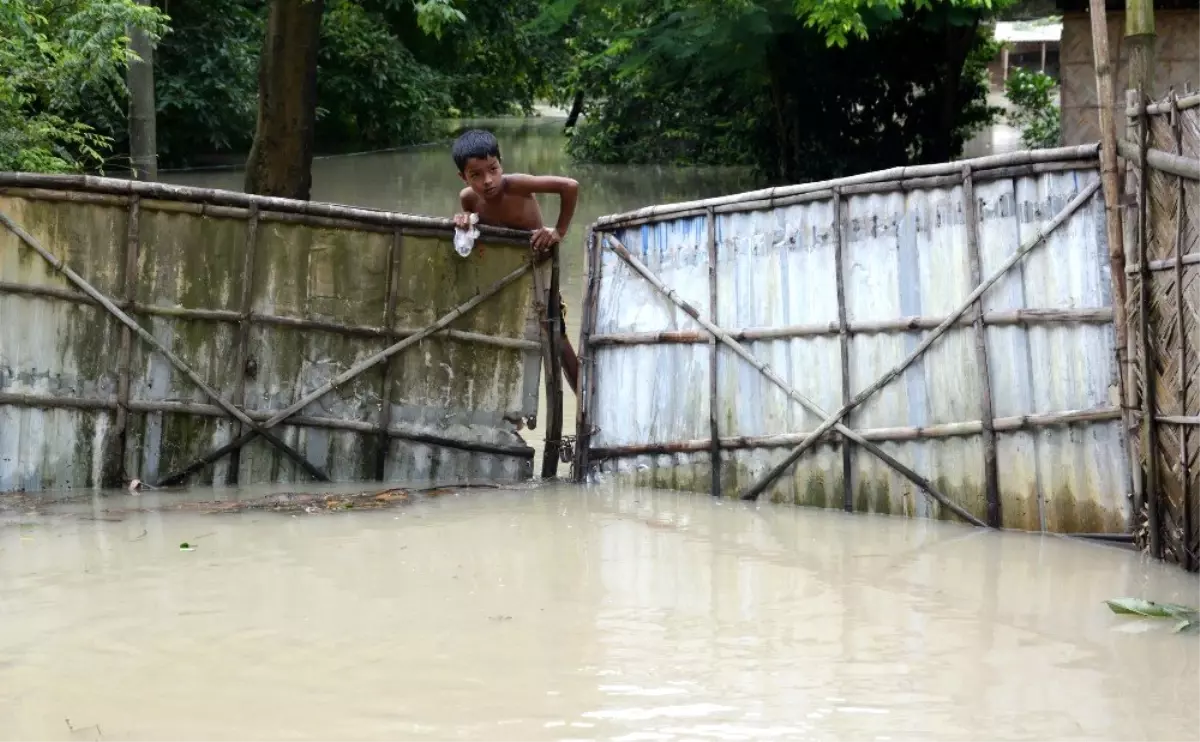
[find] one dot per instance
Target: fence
(179, 334)
(1162, 250)
(953, 322)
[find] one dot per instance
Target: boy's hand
(462, 221)
(545, 238)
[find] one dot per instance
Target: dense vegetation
(796, 88)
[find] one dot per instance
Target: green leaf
(1150, 609)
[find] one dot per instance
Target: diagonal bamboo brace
(349, 374)
(833, 420)
(150, 340)
(741, 350)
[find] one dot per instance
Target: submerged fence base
(933, 341)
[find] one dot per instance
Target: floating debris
(1186, 617)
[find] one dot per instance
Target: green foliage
(1036, 115)
(1186, 617)
(735, 82)
(59, 59)
(372, 91)
(206, 78)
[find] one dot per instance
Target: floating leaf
(185, 546)
(1139, 607)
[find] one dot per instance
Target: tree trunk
(576, 109)
(280, 161)
(958, 41)
(139, 77)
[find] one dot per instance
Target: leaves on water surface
(1188, 618)
(185, 546)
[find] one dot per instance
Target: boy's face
(483, 175)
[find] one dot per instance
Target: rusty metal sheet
(905, 255)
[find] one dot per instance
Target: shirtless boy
(507, 201)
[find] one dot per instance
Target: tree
(64, 66)
(280, 161)
(799, 89)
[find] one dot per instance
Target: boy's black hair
(475, 143)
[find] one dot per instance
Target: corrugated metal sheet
(905, 255)
(442, 386)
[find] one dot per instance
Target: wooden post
(991, 474)
(1185, 467)
(246, 308)
(1043, 57)
(1114, 230)
(587, 364)
(714, 408)
(843, 347)
(1133, 389)
(1149, 372)
(114, 471)
(554, 378)
(389, 368)
(1139, 36)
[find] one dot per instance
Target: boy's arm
(466, 199)
(568, 192)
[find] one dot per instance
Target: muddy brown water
(560, 612)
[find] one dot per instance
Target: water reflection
(588, 613)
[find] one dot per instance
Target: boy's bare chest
(514, 212)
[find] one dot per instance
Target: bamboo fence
(995, 503)
(114, 291)
(1161, 147)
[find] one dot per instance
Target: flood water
(562, 612)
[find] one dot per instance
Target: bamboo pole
(587, 362)
(991, 472)
(978, 165)
(1157, 109)
(1168, 264)
(1149, 382)
(1139, 38)
(1081, 198)
(762, 368)
(843, 345)
(208, 410)
(1189, 559)
(246, 308)
(1178, 165)
(714, 406)
(114, 475)
(1129, 222)
(903, 434)
(766, 203)
(162, 191)
(1005, 318)
(150, 340)
(1114, 232)
(395, 254)
(235, 317)
(349, 374)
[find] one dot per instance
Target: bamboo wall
(1162, 249)
(959, 315)
(266, 300)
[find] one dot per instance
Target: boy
(507, 201)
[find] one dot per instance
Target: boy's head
(477, 155)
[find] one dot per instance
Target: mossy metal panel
(442, 386)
